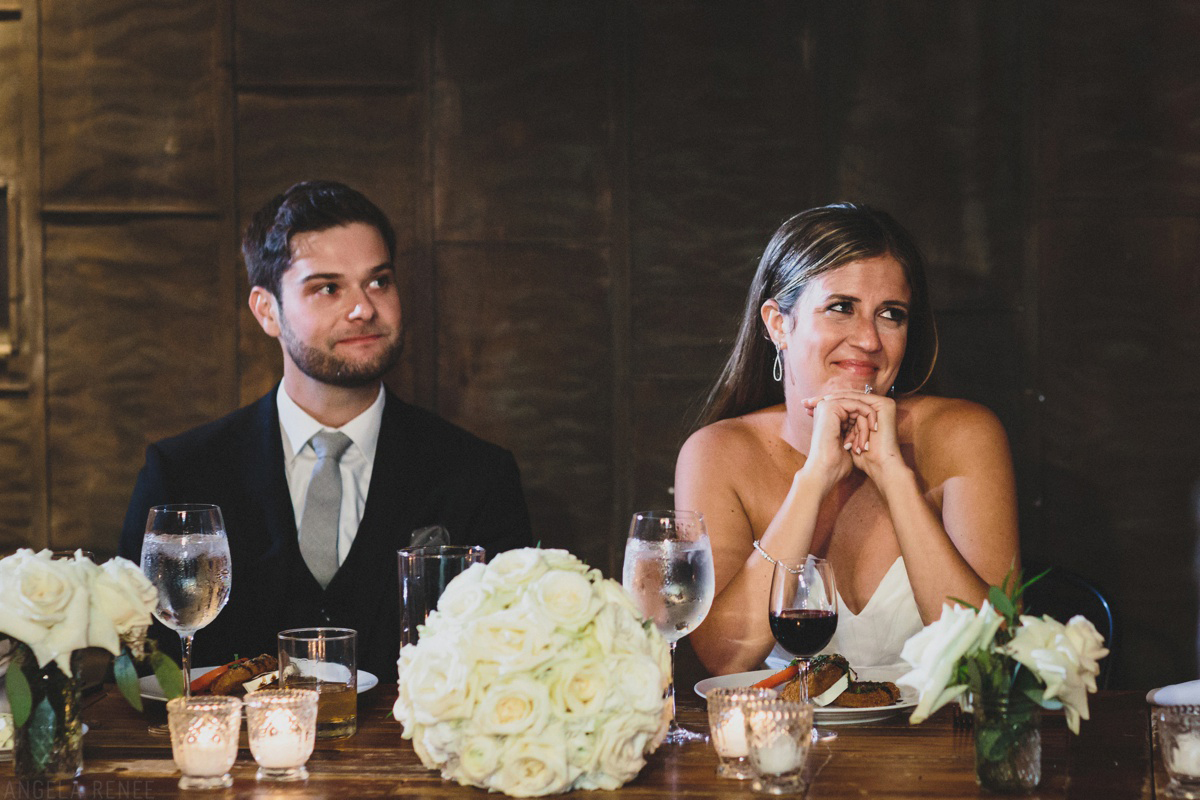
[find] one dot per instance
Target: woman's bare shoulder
(744, 436)
(951, 429)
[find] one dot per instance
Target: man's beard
(328, 368)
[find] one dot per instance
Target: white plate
(829, 715)
(152, 691)
(6, 753)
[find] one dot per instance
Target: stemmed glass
(669, 572)
(185, 554)
(803, 613)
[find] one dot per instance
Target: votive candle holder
(1179, 743)
(204, 739)
(282, 724)
(778, 736)
(727, 728)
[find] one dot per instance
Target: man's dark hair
(303, 208)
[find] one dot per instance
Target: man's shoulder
(220, 433)
(426, 429)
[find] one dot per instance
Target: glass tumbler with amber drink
(323, 659)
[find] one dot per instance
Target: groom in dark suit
(321, 480)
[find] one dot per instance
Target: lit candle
(1185, 756)
(731, 741)
(205, 753)
(780, 755)
(278, 742)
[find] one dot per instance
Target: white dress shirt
(297, 427)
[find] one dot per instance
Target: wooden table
(1110, 760)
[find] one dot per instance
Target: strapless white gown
(875, 636)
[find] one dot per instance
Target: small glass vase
(49, 746)
(1008, 743)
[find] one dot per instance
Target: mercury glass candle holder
(1179, 743)
(727, 729)
(778, 735)
(204, 739)
(282, 724)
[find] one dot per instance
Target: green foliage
(127, 680)
(40, 733)
(19, 695)
(1009, 693)
(170, 676)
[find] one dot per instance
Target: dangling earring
(892, 391)
(777, 370)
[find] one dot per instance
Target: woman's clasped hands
(851, 429)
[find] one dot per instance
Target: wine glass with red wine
(803, 613)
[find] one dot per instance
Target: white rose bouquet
(1011, 662)
(535, 675)
(51, 609)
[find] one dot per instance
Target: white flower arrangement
(54, 607)
(535, 675)
(969, 649)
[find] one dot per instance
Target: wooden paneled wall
(581, 191)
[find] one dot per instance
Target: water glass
(282, 725)
(424, 572)
(778, 735)
(1179, 743)
(727, 728)
(204, 739)
(668, 572)
(324, 660)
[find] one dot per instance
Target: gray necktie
(323, 507)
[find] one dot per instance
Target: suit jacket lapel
(398, 487)
(266, 481)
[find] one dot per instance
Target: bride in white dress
(805, 450)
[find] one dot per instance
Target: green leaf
(961, 602)
(19, 695)
(990, 742)
(40, 734)
(127, 679)
(170, 676)
(1001, 602)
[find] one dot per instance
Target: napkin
(1177, 694)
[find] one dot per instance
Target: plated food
(861, 694)
(239, 677)
(833, 682)
(149, 689)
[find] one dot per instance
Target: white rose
(563, 559)
(579, 686)
(566, 598)
(1045, 647)
(517, 705)
(935, 650)
(478, 759)
(514, 639)
(615, 593)
(441, 742)
(1089, 644)
(465, 596)
(44, 603)
(637, 683)
(581, 745)
(514, 568)
(532, 768)
(619, 630)
(436, 682)
(122, 604)
(621, 747)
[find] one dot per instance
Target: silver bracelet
(775, 561)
